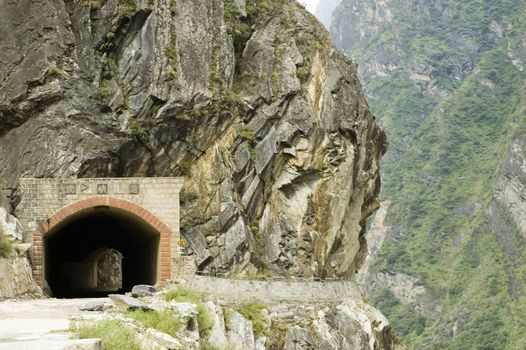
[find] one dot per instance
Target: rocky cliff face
(247, 99)
(16, 276)
(509, 190)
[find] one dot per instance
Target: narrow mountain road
(40, 324)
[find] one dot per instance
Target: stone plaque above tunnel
(66, 220)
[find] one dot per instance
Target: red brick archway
(92, 202)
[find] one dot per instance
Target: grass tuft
(113, 333)
(204, 320)
(166, 321)
(184, 295)
(254, 312)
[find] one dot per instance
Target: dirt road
(38, 324)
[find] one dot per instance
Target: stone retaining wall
(275, 291)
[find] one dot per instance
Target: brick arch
(75, 207)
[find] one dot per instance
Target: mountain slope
(446, 80)
(324, 11)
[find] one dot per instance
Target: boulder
(240, 332)
(10, 226)
(217, 335)
(165, 340)
(97, 305)
(298, 338)
(127, 303)
(143, 290)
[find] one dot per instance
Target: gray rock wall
(16, 279)
(16, 275)
(509, 190)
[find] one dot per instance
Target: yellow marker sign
(182, 242)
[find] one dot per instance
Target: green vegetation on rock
(204, 320)
(166, 321)
(6, 247)
(171, 53)
(54, 71)
(113, 333)
(184, 295)
(126, 9)
(254, 311)
(92, 4)
(188, 295)
(105, 91)
(247, 133)
(451, 106)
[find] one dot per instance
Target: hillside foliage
(449, 138)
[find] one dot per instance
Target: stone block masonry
(47, 202)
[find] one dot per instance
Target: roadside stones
(217, 335)
(127, 303)
(224, 321)
(10, 226)
(143, 290)
(240, 334)
(163, 339)
(98, 305)
(85, 344)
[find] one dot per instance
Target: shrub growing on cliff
(254, 312)
(126, 9)
(166, 321)
(92, 4)
(247, 133)
(5, 246)
(53, 71)
(105, 91)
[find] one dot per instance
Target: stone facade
(46, 202)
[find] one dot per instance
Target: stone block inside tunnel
(98, 236)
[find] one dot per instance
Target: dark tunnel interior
(72, 242)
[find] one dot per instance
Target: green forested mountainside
(446, 80)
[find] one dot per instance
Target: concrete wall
(47, 201)
(275, 291)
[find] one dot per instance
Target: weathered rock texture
(251, 102)
(16, 276)
(10, 226)
(510, 187)
(255, 325)
(16, 279)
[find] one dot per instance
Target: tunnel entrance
(100, 250)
